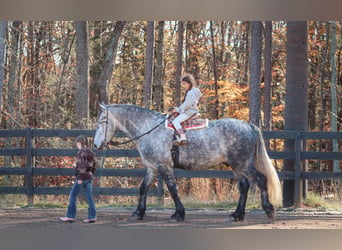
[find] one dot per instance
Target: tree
(268, 76)
(296, 98)
(64, 53)
(3, 27)
(333, 93)
(255, 68)
(82, 71)
(193, 47)
(96, 52)
(13, 70)
(149, 64)
(179, 61)
(216, 104)
(108, 64)
(158, 88)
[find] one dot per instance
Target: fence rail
(30, 152)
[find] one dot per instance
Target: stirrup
(184, 142)
(179, 142)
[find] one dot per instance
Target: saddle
(193, 123)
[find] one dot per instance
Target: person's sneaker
(67, 219)
(89, 220)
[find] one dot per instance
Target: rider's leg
(177, 124)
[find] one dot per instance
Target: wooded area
(46, 69)
(279, 75)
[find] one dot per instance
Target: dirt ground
(120, 218)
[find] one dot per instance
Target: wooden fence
(30, 152)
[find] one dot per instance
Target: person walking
(84, 170)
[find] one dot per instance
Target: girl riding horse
(188, 108)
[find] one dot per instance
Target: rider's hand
(79, 182)
(171, 110)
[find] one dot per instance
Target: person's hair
(189, 78)
(82, 140)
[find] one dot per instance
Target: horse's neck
(133, 125)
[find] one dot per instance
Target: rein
(104, 155)
(115, 143)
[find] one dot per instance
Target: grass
(312, 200)
(315, 201)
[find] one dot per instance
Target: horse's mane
(137, 109)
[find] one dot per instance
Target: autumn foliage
(39, 85)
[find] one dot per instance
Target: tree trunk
(193, 48)
(222, 56)
(149, 64)
(268, 77)
(108, 65)
(95, 68)
(13, 71)
(296, 99)
(216, 103)
(179, 61)
(255, 68)
(82, 72)
(65, 57)
(3, 28)
(245, 52)
(336, 167)
(11, 93)
(31, 110)
(158, 90)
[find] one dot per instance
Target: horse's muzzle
(98, 147)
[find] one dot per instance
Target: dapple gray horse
(226, 141)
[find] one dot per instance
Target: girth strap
(175, 154)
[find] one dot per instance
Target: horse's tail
(264, 165)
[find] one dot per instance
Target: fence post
(298, 187)
(29, 165)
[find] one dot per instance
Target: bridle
(114, 143)
(106, 121)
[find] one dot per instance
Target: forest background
(54, 74)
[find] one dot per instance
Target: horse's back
(226, 141)
(228, 127)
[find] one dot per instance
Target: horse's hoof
(230, 219)
(177, 217)
(236, 218)
(272, 215)
(136, 215)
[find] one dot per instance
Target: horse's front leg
(239, 213)
(145, 185)
(170, 180)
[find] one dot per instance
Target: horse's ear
(103, 107)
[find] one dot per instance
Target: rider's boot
(181, 139)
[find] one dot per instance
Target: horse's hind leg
(170, 180)
(145, 185)
(239, 213)
(265, 203)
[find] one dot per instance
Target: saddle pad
(192, 124)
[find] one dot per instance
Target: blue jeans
(88, 189)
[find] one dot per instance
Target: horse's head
(105, 128)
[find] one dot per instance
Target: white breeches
(179, 119)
